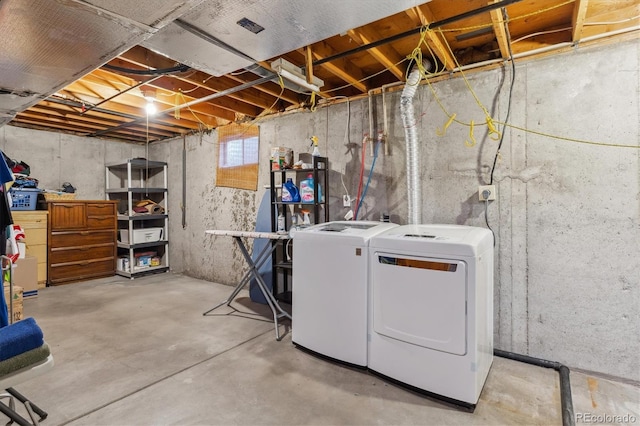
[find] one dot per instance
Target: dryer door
(420, 300)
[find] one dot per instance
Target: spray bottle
(314, 142)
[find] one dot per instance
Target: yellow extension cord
(494, 133)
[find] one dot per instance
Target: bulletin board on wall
(238, 154)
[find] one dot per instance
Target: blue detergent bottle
(290, 193)
(307, 190)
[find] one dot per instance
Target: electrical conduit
(566, 401)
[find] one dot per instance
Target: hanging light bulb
(151, 107)
(149, 94)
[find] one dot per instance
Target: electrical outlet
(487, 192)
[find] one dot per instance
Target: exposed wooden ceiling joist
(577, 20)
(340, 68)
(500, 29)
(386, 55)
(423, 16)
(109, 103)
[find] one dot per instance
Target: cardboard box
(18, 310)
(25, 275)
(281, 158)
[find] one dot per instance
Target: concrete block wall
(567, 216)
(56, 158)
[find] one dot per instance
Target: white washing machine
(329, 300)
(431, 309)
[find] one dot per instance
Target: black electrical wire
(486, 220)
(513, 79)
(162, 71)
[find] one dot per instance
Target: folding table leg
(262, 257)
(273, 304)
(234, 293)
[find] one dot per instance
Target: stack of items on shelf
(24, 188)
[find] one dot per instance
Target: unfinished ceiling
(85, 66)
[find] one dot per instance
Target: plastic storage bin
(144, 235)
(24, 199)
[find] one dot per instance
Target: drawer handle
(84, 232)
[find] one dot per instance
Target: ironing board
(254, 266)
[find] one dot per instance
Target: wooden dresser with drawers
(82, 240)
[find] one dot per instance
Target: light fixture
(151, 107)
(295, 75)
(149, 93)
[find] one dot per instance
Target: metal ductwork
(414, 185)
(257, 30)
(48, 44)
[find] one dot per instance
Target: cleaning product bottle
(281, 226)
(290, 193)
(306, 220)
(316, 151)
(306, 189)
(294, 225)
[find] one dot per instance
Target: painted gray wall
(566, 217)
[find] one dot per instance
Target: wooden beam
(340, 67)
(34, 123)
(434, 39)
(499, 27)
(129, 113)
(577, 20)
(99, 123)
(90, 127)
(136, 100)
(165, 97)
(252, 96)
(140, 56)
(309, 64)
(384, 54)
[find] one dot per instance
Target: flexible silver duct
(414, 188)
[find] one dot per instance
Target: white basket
(144, 235)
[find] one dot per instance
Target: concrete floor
(139, 352)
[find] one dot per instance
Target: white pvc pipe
(371, 137)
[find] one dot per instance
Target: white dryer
(329, 298)
(431, 309)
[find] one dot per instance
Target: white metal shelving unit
(139, 179)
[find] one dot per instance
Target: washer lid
(356, 230)
(453, 240)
